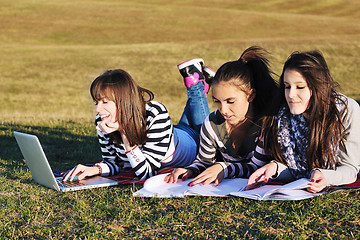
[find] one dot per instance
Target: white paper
(157, 187)
(295, 190)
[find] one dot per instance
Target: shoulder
(155, 107)
(350, 118)
(353, 113)
(214, 125)
(349, 105)
(216, 118)
(156, 113)
(352, 105)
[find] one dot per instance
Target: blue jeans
(196, 109)
(187, 131)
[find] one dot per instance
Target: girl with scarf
(315, 130)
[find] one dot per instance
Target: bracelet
(277, 169)
(131, 149)
(98, 168)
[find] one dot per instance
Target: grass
(52, 50)
(33, 211)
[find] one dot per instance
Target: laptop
(41, 171)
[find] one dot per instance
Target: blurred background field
(52, 50)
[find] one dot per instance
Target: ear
(252, 95)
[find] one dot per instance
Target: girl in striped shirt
(242, 90)
(135, 131)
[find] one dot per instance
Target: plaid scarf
(293, 140)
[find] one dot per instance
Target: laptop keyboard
(69, 184)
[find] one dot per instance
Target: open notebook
(41, 171)
(295, 190)
(157, 187)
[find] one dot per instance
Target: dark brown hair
(251, 71)
(118, 86)
(325, 120)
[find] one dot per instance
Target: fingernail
(190, 184)
(312, 180)
(266, 180)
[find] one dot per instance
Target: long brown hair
(251, 71)
(118, 86)
(326, 129)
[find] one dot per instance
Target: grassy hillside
(52, 50)
(122, 22)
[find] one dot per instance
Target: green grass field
(52, 50)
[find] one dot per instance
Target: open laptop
(41, 171)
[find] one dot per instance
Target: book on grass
(295, 190)
(157, 187)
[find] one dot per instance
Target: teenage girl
(315, 131)
(241, 90)
(135, 131)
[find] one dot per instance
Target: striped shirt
(216, 147)
(158, 149)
